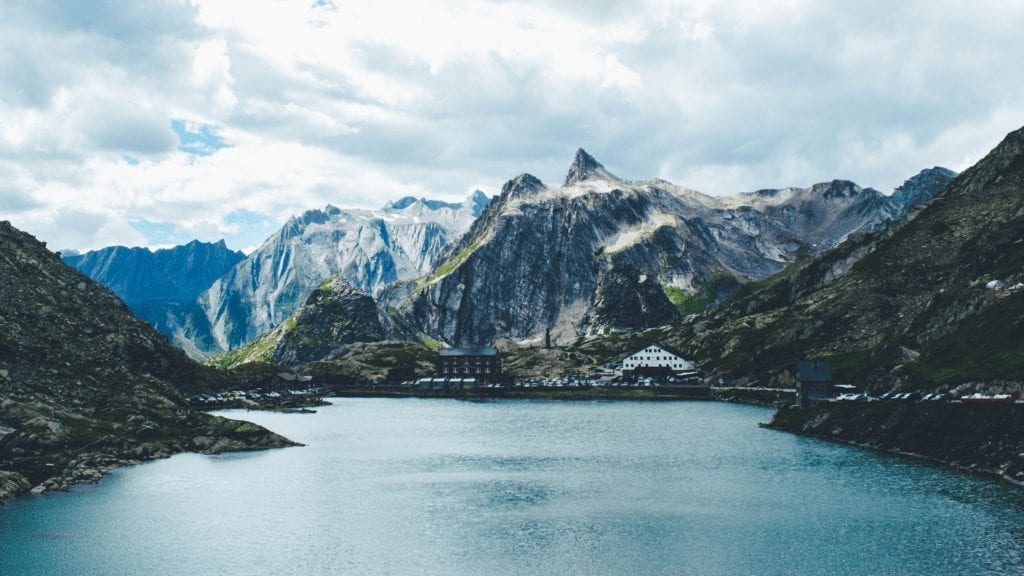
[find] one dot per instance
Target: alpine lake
(436, 486)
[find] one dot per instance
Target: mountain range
(369, 248)
(600, 253)
(157, 285)
(596, 254)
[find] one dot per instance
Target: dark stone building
(483, 363)
(814, 382)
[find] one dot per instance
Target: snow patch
(635, 234)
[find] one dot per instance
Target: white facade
(655, 356)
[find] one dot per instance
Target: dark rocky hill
(86, 386)
(335, 315)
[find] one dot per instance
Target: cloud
(184, 114)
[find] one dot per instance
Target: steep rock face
(584, 167)
(909, 308)
(601, 253)
(157, 284)
(85, 385)
(369, 248)
(922, 187)
(335, 315)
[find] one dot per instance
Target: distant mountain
(369, 248)
(935, 303)
(157, 284)
(85, 386)
(600, 253)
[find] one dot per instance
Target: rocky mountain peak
(479, 201)
(836, 189)
(522, 185)
(585, 167)
(922, 186)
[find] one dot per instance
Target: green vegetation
(448, 266)
(430, 342)
(259, 350)
(247, 428)
(686, 302)
(326, 284)
(987, 346)
(789, 271)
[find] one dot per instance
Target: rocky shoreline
(981, 439)
(62, 470)
(770, 397)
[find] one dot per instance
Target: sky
(154, 123)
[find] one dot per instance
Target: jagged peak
(922, 186)
(409, 201)
(400, 204)
(585, 167)
(477, 201)
(522, 185)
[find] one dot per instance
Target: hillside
(934, 303)
(335, 315)
(85, 386)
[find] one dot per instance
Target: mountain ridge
(603, 253)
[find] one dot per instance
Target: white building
(656, 358)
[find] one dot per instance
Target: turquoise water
(413, 486)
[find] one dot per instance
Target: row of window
(467, 369)
(639, 364)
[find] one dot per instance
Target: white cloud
(358, 102)
(211, 71)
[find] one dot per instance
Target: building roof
(813, 371)
(468, 352)
(668, 349)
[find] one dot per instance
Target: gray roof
(468, 352)
(813, 371)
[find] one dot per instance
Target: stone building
(483, 363)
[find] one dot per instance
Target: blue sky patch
(253, 228)
(197, 139)
(130, 160)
